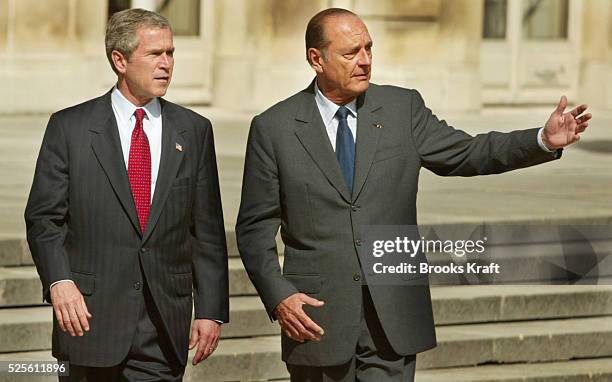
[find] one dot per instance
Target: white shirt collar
(328, 109)
(125, 109)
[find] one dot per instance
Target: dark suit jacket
(292, 179)
(82, 225)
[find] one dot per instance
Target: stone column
(595, 86)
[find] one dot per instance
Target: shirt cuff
(59, 281)
(541, 141)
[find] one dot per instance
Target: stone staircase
(486, 333)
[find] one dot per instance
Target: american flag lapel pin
(178, 147)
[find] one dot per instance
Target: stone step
(527, 341)
(25, 329)
(498, 303)
(14, 251)
(586, 370)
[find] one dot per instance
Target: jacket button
(137, 285)
(356, 277)
(354, 208)
(143, 250)
(358, 242)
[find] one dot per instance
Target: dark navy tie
(345, 147)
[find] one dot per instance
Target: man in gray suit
(124, 220)
(335, 157)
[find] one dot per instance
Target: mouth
(363, 76)
(162, 78)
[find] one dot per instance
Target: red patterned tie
(139, 170)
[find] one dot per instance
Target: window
(184, 15)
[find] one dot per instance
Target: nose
(165, 61)
(365, 58)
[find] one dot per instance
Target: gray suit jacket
(82, 225)
(292, 179)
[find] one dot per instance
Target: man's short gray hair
(122, 30)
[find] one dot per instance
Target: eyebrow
(161, 50)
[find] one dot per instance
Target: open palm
(563, 129)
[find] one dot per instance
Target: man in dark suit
(338, 156)
(124, 220)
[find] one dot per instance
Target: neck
(334, 94)
(127, 92)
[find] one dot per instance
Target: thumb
(562, 105)
(193, 339)
(312, 301)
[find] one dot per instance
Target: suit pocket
(86, 282)
(305, 283)
(183, 284)
(388, 153)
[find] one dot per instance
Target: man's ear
(316, 59)
(120, 61)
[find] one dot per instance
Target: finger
(204, 346)
(292, 330)
(197, 358)
(67, 321)
(84, 323)
(74, 320)
(193, 339)
(312, 327)
(562, 104)
(584, 118)
(59, 318)
(578, 110)
(582, 127)
(312, 301)
(84, 306)
(303, 332)
(200, 350)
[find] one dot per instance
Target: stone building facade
(248, 54)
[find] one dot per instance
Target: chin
(361, 87)
(160, 92)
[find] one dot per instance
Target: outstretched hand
(563, 129)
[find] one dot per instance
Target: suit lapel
(368, 133)
(313, 136)
(107, 149)
(169, 164)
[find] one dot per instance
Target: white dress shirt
(328, 111)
